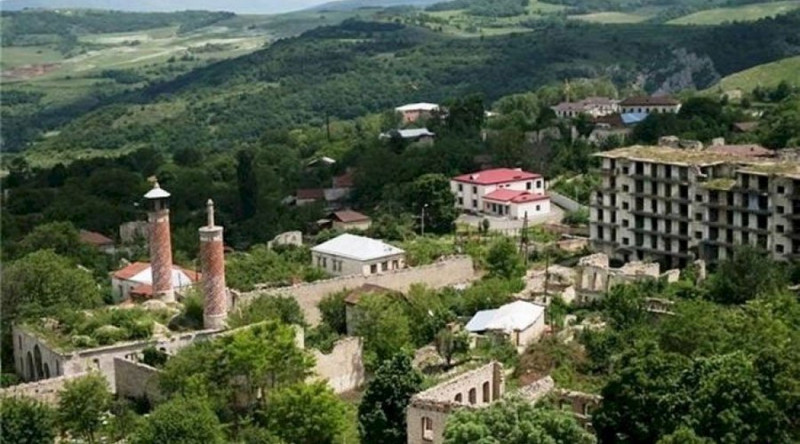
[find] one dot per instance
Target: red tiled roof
(743, 150)
(496, 175)
(344, 181)
(142, 290)
(94, 238)
(131, 270)
(310, 194)
(135, 268)
(515, 196)
(650, 101)
(349, 216)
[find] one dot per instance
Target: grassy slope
(462, 24)
(768, 74)
(739, 13)
(611, 17)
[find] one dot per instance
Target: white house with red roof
(136, 281)
(507, 192)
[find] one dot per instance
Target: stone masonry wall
(445, 272)
(135, 380)
(46, 390)
(343, 367)
(475, 388)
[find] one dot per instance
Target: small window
(625, 205)
(698, 197)
(625, 241)
(373, 268)
(384, 266)
(780, 209)
(698, 234)
(474, 190)
(473, 396)
(624, 222)
(461, 201)
(625, 188)
(427, 429)
(624, 170)
(486, 391)
(459, 398)
(527, 185)
(474, 203)
(698, 216)
(781, 189)
(460, 187)
(779, 248)
(538, 207)
(779, 228)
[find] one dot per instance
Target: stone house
(427, 412)
(349, 220)
(649, 105)
(349, 254)
(98, 241)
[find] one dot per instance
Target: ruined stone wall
(475, 388)
(343, 367)
(136, 381)
(46, 390)
(446, 272)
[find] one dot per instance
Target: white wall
(535, 208)
(329, 263)
(470, 192)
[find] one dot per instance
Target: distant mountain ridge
(237, 6)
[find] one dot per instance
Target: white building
(649, 105)
(414, 111)
(350, 254)
(521, 322)
(136, 280)
(501, 192)
(591, 106)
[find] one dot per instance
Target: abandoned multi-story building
(674, 205)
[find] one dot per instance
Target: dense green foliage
(488, 8)
(189, 421)
(338, 71)
(82, 404)
(514, 421)
(26, 421)
(382, 412)
(305, 413)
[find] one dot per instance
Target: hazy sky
(238, 6)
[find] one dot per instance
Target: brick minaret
(160, 243)
(212, 259)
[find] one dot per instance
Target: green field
(611, 17)
(739, 13)
(766, 75)
(460, 23)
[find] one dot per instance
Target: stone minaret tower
(160, 243)
(212, 259)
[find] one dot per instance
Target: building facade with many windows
(674, 206)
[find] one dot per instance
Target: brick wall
(343, 367)
(446, 272)
(137, 381)
(47, 390)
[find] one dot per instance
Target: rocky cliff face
(683, 70)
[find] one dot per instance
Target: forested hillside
(359, 67)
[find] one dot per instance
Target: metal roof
(157, 192)
(355, 247)
(515, 316)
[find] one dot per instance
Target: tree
(305, 413)
(333, 310)
(382, 322)
(504, 261)
(748, 274)
(625, 306)
(430, 193)
(382, 412)
(184, 420)
(449, 344)
(82, 404)
(684, 435)
(514, 421)
(43, 282)
(247, 183)
(26, 421)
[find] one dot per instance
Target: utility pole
(328, 125)
(523, 239)
(422, 219)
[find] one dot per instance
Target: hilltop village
(578, 305)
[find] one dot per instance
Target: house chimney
(160, 243)
(212, 260)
